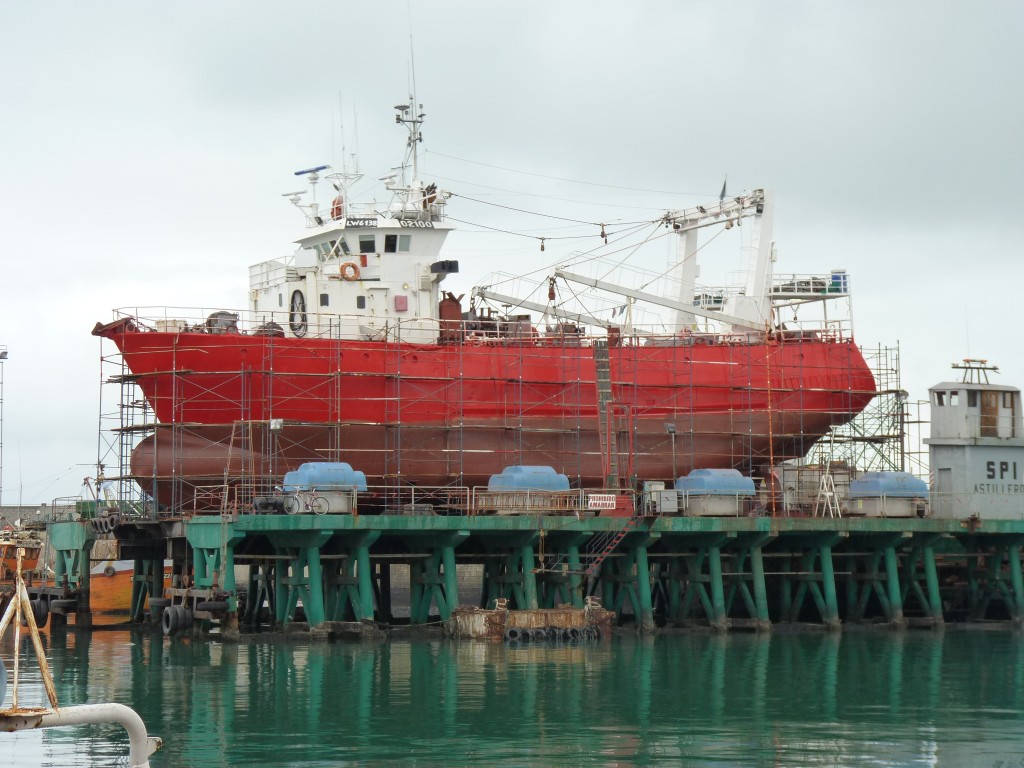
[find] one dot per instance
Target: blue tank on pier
(324, 475)
(898, 485)
(523, 478)
(716, 482)
(888, 494)
(714, 492)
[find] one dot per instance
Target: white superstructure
(359, 271)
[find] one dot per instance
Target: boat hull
(456, 413)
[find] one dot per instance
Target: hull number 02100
(416, 224)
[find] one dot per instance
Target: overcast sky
(145, 147)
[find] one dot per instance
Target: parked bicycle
(305, 502)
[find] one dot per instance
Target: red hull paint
(437, 414)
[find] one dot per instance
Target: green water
(953, 698)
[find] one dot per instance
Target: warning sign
(601, 501)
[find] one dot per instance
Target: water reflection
(866, 698)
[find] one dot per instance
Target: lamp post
(902, 396)
(670, 429)
(3, 358)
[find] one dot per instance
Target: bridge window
(367, 244)
(972, 399)
(954, 398)
(1007, 399)
(324, 299)
(397, 243)
(940, 398)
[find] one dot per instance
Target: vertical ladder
(606, 429)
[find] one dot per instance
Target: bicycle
(305, 502)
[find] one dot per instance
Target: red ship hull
(457, 413)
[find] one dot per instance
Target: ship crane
(751, 308)
(580, 318)
(652, 298)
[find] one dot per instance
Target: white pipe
(140, 744)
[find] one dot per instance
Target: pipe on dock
(140, 744)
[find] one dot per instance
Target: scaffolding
(887, 436)
(428, 432)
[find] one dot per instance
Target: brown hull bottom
(178, 462)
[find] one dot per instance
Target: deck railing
(484, 331)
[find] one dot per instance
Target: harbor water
(858, 698)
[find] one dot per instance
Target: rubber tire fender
(40, 612)
(184, 617)
(513, 634)
(169, 621)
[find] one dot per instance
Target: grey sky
(145, 147)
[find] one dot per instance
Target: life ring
(349, 271)
(338, 208)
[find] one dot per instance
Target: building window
(972, 399)
(940, 398)
(390, 243)
(367, 244)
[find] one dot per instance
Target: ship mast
(412, 120)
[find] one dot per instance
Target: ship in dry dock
(351, 349)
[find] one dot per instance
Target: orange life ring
(350, 271)
(338, 208)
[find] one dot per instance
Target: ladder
(605, 430)
(826, 500)
(607, 543)
(602, 546)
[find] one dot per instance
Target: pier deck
(719, 572)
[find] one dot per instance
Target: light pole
(3, 358)
(670, 429)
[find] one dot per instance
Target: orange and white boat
(110, 586)
(11, 541)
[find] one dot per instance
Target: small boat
(11, 540)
